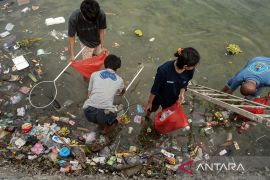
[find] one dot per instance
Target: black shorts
(99, 116)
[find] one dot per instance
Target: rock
(132, 171)
(20, 157)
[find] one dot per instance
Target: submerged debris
(28, 42)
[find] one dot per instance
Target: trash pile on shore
(54, 144)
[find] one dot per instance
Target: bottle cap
(64, 152)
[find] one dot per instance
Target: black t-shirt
(168, 83)
(87, 32)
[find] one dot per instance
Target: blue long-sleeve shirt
(168, 83)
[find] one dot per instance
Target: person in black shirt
(88, 23)
(172, 79)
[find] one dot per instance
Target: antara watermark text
(231, 166)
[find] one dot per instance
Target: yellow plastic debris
(138, 32)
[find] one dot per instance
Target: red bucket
(176, 119)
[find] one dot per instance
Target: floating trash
(233, 49)
(20, 62)
(152, 39)
(28, 42)
(138, 32)
(53, 21)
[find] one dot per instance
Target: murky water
(203, 24)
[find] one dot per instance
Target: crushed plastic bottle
(63, 119)
(32, 77)
(236, 145)
(68, 103)
(223, 152)
(139, 109)
(9, 41)
(16, 98)
(167, 154)
(9, 26)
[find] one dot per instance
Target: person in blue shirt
(252, 78)
(171, 80)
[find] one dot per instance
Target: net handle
(135, 77)
(68, 64)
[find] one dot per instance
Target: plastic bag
(264, 101)
(87, 66)
(175, 120)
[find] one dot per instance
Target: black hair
(90, 10)
(188, 56)
(113, 62)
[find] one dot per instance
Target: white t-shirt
(104, 85)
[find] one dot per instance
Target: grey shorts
(99, 116)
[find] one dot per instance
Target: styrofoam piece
(9, 26)
(20, 62)
(52, 21)
(4, 34)
(25, 10)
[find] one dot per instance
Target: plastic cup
(40, 52)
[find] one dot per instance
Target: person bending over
(88, 23)
(103, 86)
(252, 78)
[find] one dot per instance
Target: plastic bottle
(211, 123)
(32, 77)
(61, 119)
(8, 45)
(139, 109)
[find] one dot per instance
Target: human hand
(72, 59)
(148, 107)
(181, 99)
(103, 50)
